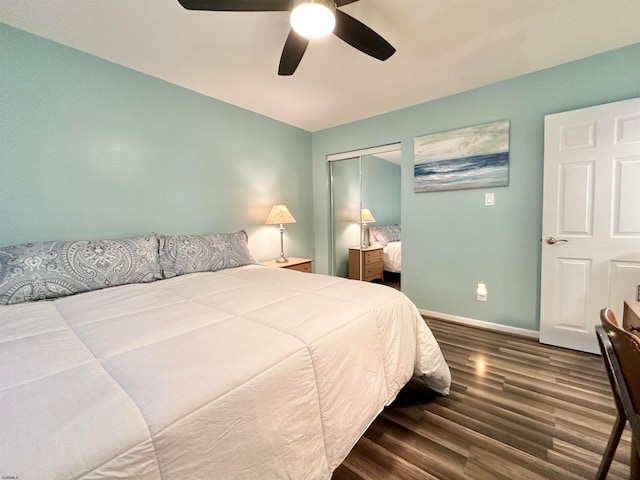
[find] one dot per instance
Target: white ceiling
(443, 47)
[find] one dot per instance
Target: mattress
(246, 373)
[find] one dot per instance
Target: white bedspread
(248, 373)
(392, 257)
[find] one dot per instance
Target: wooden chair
(621, 355)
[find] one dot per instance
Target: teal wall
(450, 240)
(90, 149)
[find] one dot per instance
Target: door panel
(591, 206)
(573, 277)
(574, 137)
(576, 207)
(627, 197)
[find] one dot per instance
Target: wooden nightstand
(372, 267)
(299, 264)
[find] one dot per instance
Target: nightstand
(299, 264)
(372, 267)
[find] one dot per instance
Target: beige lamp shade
(366, 216)
(279, 214)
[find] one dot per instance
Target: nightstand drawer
(372, 256)
(372, 270)
(301, 267)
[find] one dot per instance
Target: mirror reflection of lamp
(279, 215)
(364, 218)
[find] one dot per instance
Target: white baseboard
(481, 323)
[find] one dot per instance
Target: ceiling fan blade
(237, 5)
(341, 3)
(292, 53)
(359, 36)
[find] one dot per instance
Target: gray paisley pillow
(182, 254)
(384, 234)
(46, 270)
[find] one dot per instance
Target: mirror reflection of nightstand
(299, 264)
(372, 267)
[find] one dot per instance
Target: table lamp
(280, 215)
(364, 218)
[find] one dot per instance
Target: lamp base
(282, 258)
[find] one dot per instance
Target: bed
(389, 238)
(244, 372)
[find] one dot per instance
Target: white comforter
(248, 373)
(392, 256)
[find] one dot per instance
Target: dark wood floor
(517, 410)
(392, 280)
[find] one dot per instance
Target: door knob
(554, 240)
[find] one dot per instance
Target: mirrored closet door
(365, 192)
(346, 200)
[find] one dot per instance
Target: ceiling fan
(344, 26)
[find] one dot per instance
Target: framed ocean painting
(471, 157)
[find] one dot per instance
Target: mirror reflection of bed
(389, 238)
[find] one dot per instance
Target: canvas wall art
(472, 157)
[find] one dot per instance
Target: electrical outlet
(481, 292)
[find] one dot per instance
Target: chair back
(626, 348)
(606, 314)
(621, 355)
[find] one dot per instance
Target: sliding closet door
(350, 172)
(345, 175)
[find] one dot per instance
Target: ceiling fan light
(313, 18)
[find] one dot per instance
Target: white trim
(366, 151)
(481, 323)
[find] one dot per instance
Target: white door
(591, 220)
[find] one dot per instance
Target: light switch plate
(489, 200)
(481, 292)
